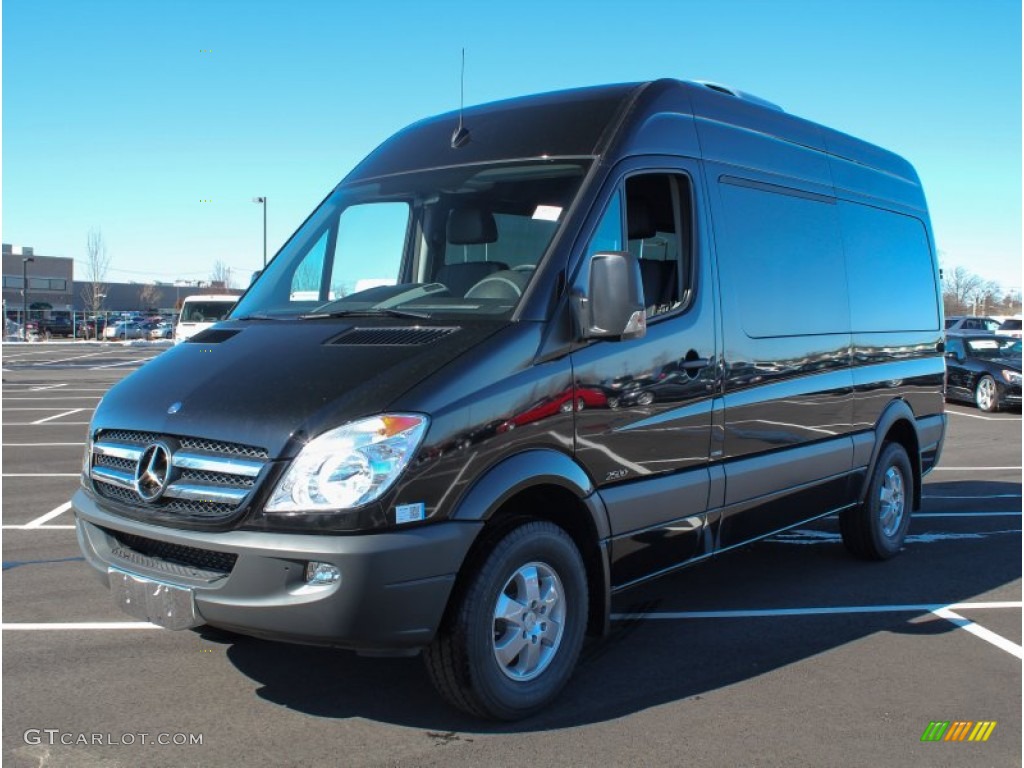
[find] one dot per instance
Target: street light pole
(24, 297)
(263, 201)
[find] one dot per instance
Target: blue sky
(124, 116)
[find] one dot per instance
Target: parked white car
(1010, 327)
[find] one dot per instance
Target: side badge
(175, 407)
(410, 513)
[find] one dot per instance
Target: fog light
(322, 573)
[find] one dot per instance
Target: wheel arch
(896, 425)
(541, 484)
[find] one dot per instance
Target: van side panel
(787, 385)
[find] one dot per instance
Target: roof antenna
(460, 137)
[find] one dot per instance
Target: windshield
(453, 240)
(205, 311)
(993, 349)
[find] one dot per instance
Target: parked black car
(48, 327)
(984, 370)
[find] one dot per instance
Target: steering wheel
(505, 285)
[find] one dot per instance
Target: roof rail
(730, 91)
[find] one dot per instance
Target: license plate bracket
(165, 605)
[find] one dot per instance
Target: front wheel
(511, 641)
(875, 529)
(986, 394)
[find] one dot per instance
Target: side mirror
(613, 306)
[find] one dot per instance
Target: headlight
(1011, 377)
(87, 461)
(349, 466)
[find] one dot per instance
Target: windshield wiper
(370, 312)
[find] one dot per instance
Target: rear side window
(892, 279)
(782, 258)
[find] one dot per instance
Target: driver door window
(659, 233)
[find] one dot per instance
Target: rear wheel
(875, 529)
(512, 640)
(986, 394)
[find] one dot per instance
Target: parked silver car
(124, 330)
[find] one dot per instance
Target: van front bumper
(392, 592)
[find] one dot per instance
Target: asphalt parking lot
(784, 653)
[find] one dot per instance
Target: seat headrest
(639, 225)
(471, 226)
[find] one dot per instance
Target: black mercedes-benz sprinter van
(522, 359)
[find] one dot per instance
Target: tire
(504, 652)
(645, 399)
(875, 529)
(986, 394)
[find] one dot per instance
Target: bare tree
(1011, 304)
(960, 289)
(221, 274)
(149, 297)
(97, 261)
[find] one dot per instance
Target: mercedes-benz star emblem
(153, 471)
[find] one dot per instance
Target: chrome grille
(216, 478)
(227, 449)
(115, 462)
(201, 478)
(121, 436)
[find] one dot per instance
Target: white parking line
(912, 608)
(973, 469)
(37, 445)
(51, 399)
(76, 357)
(29, 626)
(41, 474)
(48, 516)
(59, 395)
(48, 386)
(979, 496)
(139, 361)
(8, 358)
(45, 423)
(977, 630)
(38, 528)
(66, 413)
(761, 613)
(983, 418)
(918, 515)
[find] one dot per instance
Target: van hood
(272, 384)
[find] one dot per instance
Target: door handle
(695, 364)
